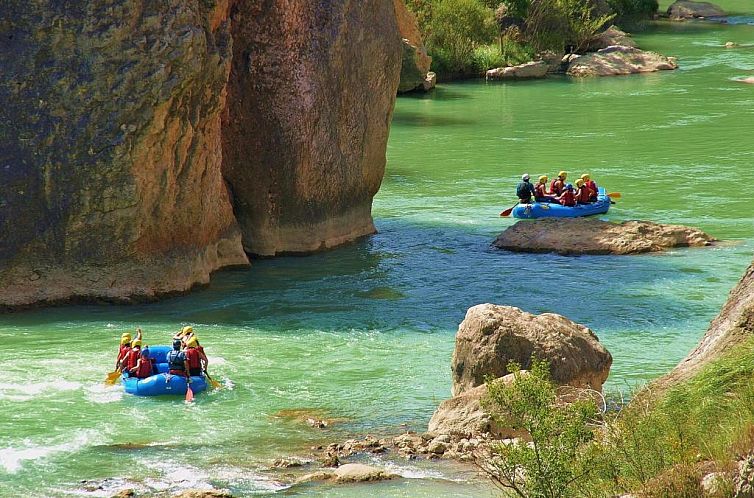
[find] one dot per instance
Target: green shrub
(633, 9)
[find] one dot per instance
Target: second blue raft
(552, 210)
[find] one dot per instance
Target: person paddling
(558, 185)
(177, 363)
(143, 367)
(194, 357)
(540, 190)
(129, 362)
(583, 192)
(124, 349)
(525, 190)
(567, 198)
(591, 184)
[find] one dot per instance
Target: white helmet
(525, 176)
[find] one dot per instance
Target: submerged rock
(610, 37)
(749, 80)
(204, 493)
(569, 236)
(685, 9)
(619, 60)
(528, 70)
(492, 336)
(350, 473)
(415, 62)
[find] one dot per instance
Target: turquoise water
(363, 334)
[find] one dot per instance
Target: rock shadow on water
(385, 293)
(423, 119)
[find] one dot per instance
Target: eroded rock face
(110, 184)
(570, 236)
(415, 62)
(618, 60)
(611, 36)
(491, 336)
(310, 100)
(684, 9)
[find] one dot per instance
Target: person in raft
(525, 190)
(184, 335)
(567, 198)
(540, 190)
(583, 192)
(124, 349)
(177, 363)
(195, 357)
(129, 362)
(590, 183)
(558, 185)
(144, 366)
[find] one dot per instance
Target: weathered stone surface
(204, 493)
(684, 9)
(492, 336)
(349, 473)
(415, 62)
(569, 236)
(110, 183)
(310, 99)
(528, 70)
(610, 37)
(749, 80)
(618, 60)
(733, 325)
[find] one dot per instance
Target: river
(364, 334)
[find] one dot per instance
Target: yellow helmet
(135, 342)
(543, 179)
(193, 342)
(125, 338)
(563, 175)
(579, 182)
(585, 176)
(187, 330)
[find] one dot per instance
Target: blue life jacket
(176, 360)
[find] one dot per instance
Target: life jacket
(523, 190)
(193, 358)
(583, 195)
(567, 198)
(539, 190)
(176, 360)
(132, 358)
(123, 352)
(593, 187)
(556, 186)
(145, 368)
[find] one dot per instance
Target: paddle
(212, 382)
(112, 377)
(189, 392)
(508, 211)
(614, 195)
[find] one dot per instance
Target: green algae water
(363, 335)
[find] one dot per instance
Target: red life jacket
(132, 358)
(192, 356)
(123, 352)
(539, 190)
(592, 186)
(568, 199)
(556, 187)
(583, 195)
(145, 369)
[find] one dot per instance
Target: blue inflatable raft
(552, 210)
(162, 383)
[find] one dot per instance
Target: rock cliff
(110, 184)
(310, 100)
(415, 62)
(145, 145)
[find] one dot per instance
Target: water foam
(12, 459)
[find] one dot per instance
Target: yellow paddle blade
(215, 384)
(614, 195)
(112, 377)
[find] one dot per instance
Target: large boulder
(610, 37)
(350, 473)
(492, 336)
(569, 236)
(310, 100)
(415, 62)
(526, 71)
(619, 60)
(685, 9)
(110, 159)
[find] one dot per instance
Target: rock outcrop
(610, 37)
(144, 146)
(619, 60)
(570, 236)
(685, 9)
(526, 71)
(110, 182)
(733, 325)
(350, 473)
(415, 63)
(491, 336)
(310, 100)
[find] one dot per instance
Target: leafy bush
(628, 9)
(544, 465)
(489, 56)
